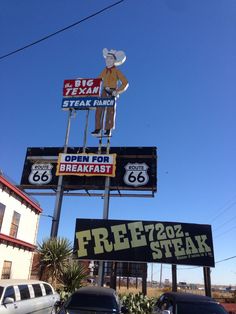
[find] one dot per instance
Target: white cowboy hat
(119, 55)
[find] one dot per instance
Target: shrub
(138, 303)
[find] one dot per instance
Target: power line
(219, 235)
(224, 209)
(61, 30)
(226, 259)
(225, 223)
(223, 260)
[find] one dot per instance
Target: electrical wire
(228, 205)
(219, 235)
(223, 224)
(226, 259)
(223, 260)
(224, 209)
(61, 30)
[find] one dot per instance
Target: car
(185, 303)
(93, 299)
(27, 296)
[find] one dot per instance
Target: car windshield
(92, 302)
(1, 290)
(203, 308)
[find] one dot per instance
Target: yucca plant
(54, 254)
(72, 276)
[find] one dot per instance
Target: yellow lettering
(100, 240)
(166, 244)
(157, 254)
(190, 247)
(121, 242)
(179, 250)
(137, 239)
(202, 246)
(83, 238)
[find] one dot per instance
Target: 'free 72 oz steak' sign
(144, 241)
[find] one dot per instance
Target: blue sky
(181, 67)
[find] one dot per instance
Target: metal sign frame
(137, 164)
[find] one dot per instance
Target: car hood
(81, 311)
(88, 312)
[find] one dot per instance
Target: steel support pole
(151, 274)
(59, 192)
(105, 216)
(86, 132)
(160, 284)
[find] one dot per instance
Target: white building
(19, 218)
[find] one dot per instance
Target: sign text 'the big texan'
(144, 241)
(86, 165)
(84, 93)
(82, 87)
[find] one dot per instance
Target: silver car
(27, 296)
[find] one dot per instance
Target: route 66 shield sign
(40, 173)
(136, 174)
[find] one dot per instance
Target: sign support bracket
(105, 216)
(86, 131)
(59, 192)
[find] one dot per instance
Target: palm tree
(72, 275)
(54, 254)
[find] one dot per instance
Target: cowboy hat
(119, 55)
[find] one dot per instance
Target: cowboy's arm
(124, 83)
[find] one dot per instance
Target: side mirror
(8, 300)
(124, 310)
(58, 303)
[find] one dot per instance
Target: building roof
(25, 198)
(7, 240)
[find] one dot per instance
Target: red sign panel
(86, 165)
(82, 87)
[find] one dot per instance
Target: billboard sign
(82, 87)
(86, 103)
(84, 93)
(86, 165)
(135, 169)
(144, 241)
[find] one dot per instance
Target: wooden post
(144, 280)
(113, 275)
(207, 280)
(174, 278)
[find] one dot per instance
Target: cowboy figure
(114, 83)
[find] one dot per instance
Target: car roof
(95, 290)
(13, 282)
(188, 297)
